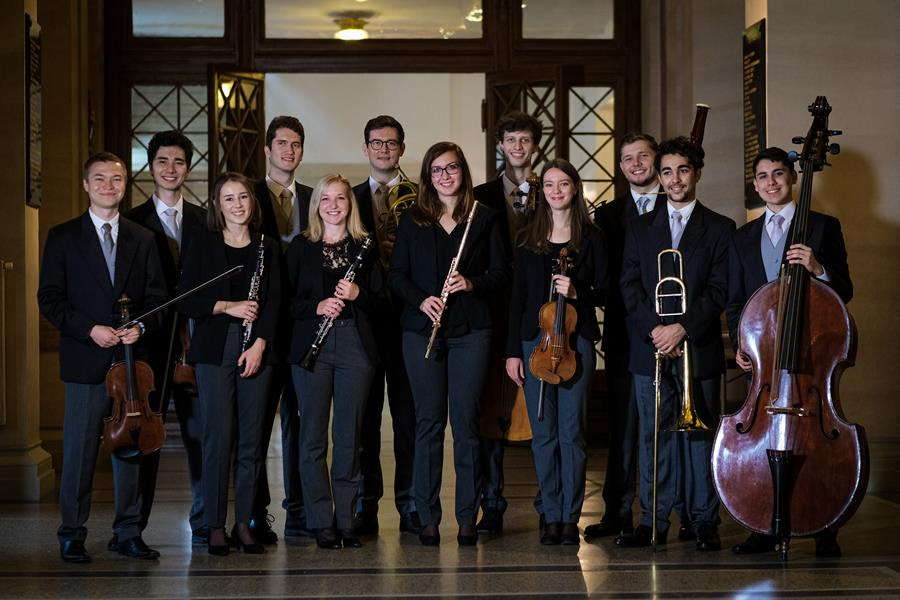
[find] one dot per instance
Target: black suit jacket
(493, 194)
(746, 272)
(414, 270)
(75, 293)
(613, 218)
(363, 194)
(267, 209)
(207, 259)
(531, 289)
(704, 247)
(304, 266)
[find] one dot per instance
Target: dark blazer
(304, 266)
(613, 218)
(267, 210)
(531, 289)
(75, 293)
(207, 259)
(746, 272)
(492, 194)
(704, 247)
(414, 270)
(363, 194)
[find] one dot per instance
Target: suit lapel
(93, 254)
(660, 234)
(693, 232)
(755, 262)
(126, 246)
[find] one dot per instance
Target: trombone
(687, 419)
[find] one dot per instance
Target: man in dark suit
(174, 223)
(636, 155)
(284, 205)
(383, 145)
(758, 250)
(703, 238)
(89, 262)
(518, 137)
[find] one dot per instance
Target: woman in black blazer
(232, 382)
(560, 221)
(317, 261)
(428, 238)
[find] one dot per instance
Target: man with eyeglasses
(518, 138)
(383, 146)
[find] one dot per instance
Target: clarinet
(325, 323)
(453, 264)
(254, 288)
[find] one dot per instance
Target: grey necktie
(643, 201)
(109, 251)
(677, 228)
(775, 228)
(170, 222)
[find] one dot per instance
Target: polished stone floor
(394, 565)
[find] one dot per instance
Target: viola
(132, 429)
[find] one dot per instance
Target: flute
(453, 265)
(325, 323)
(254, 288)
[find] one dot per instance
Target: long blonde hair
(316, 228)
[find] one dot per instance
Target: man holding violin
(89, 262)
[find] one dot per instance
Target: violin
(132, 429)
(183, 374)
(788, 463)
(554, 360)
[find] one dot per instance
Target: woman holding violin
(561, 254)
(233, 369)
(431, 235)
(334, 277)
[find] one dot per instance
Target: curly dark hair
(775, 154)
(681, 146)
(518, 121)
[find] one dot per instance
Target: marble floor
(395, 565)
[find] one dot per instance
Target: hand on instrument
(798, 254)
(563, 285)
(742, 360)
(432, 307)
(130, 335)
(251, 358)
(667, 337)
(105, 337)
(515, 368)
(244, 309)
(458, 283)
(346, 290)
(330, 307)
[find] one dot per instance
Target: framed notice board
(33, 132)
(754, 105)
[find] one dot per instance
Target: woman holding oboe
(233, 368)
(334, 278)
(429, 237)
(560, 221)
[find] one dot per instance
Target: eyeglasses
(451, 169)
(379, 144)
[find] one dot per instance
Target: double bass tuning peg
(798, 140)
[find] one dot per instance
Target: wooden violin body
(554, 360)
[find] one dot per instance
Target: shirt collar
(652, 194)
(374, 185)
(161, 206)
(98, 222)
(685, 210)
(509, 186)
(787, 212)
(276, 187)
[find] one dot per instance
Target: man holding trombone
(678, 325)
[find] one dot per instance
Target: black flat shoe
(328, 538)
(467, 536)
(491, 522)
(218, 549)
(605, 528)
(686, 533)
(113, 544)
(708, 538)
(349, 540)
(408, 524)
(136, 548)
(551, 534)
(261, 529)
(366, 523)
(569, 536)
(253, 547)
(430, 536)
(756, 543)
(640, 538)
(73, 551)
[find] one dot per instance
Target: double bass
(788, 463)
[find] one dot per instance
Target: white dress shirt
(98, 225)
(651, 195)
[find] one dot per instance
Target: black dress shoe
(604, 528)
(366, 523)
(113, 544)
(827, 545)
(467, 536)
(756, 543)
(73, 551)
(708, 538)
(328, 538)
(568, 535)
(136, 548)
(349, 540)
(686, 533)
(253, 547)
(409, 523)
(640, 538)
(551, 534)
(491, 522)
(430, 536)
(261, 529)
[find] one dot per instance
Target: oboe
(325, 323)
(453, 264)
(254, 288)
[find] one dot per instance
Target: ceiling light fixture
(475, 15)
(351, 29)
